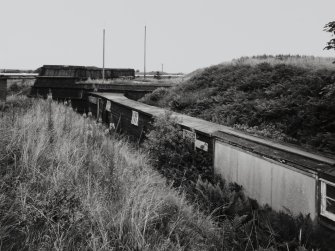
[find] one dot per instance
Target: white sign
(201, 145)
(189, 134)
(134, 118)
(108, 106)
(92, 100)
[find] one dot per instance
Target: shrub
(14, 88)
(85, 191)
(285, 101)
(155, 96)
(243, 223)
(174, 156)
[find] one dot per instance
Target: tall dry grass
(309, 62)
(66, 185)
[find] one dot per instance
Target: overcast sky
(181, 34)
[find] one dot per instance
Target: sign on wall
(108, 106)
(201, 145)
(92, 100)
(134, 118)
(111, 126)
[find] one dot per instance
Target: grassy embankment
(286, 98)
(67, 185)
(64, 185)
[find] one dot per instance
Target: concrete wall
(120, 117)
(267, 181)
(3, 89)
(282, 177)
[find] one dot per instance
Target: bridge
(75, 82)
(8, 79)
(18, 75)
(66, 88)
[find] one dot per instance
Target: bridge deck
(18, 76)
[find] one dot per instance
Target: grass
(247, 223)
(309, 62)
(285, 98)
(65, 185)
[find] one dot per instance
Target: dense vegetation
(19, 86)
(283, 101)
(246, 225)
(65, 185)
(330, 27)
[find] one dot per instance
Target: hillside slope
(64, 185)
(288, 102)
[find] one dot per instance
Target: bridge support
(3, 89)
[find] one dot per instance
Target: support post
(103, 56)
(145, 49)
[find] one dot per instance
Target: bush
(85, 191)
(174, 156)
(14, 88)
(286, 102)
(155, 96)
(243, 223)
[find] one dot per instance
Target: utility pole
(145, 48)
(162, 68)
(103, 56)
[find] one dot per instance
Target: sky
(183, 35)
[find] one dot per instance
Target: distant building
(84, 72)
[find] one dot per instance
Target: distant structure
(62, 80)
(75, 82)
(83, 72)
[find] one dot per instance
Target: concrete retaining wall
(120, 116)
(267, 181)
(280, 175)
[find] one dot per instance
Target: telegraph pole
(103, 56)
(145, 48)
(162, 68)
